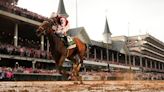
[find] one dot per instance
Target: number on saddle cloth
(69, 42)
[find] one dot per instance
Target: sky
(125, 17)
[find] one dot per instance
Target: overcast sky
(139, 16)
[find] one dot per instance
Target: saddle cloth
(71, 43)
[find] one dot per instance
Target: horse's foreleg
(63, 72)
(60, 67)
(61, 60)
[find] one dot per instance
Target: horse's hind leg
(75, 74)
(77, 64)
(81, 56)
(80, 64)
(77, 69)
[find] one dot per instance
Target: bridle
(43, 29)
(49, 23)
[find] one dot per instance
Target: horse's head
(45, 26)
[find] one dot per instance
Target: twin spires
(107, 34)
(106, 30)
(61, 9)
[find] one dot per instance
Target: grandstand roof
(10, 1)
(26, 26)
(100, 44)
(80, 33)
(119, 44)
(147, 36)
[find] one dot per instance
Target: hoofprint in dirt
(87, 86)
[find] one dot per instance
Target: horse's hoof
(76, 82)
(81, 82)
(69, 78)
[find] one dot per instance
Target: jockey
(62, 26)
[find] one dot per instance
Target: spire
(107, 34)
(61, 9)
(106, 30)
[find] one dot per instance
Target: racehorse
(60, 52)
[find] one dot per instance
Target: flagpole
(76, 14)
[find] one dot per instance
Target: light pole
(76, 14)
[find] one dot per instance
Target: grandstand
(30, 59)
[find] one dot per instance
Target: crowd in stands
(34, 53)
(30, 70)
(6, 73)
(24, 51)
(149, 76)
(21, 11)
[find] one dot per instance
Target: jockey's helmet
(63, 21)
(54, 14)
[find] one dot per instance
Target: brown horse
(60, 52)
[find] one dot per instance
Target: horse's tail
(82, 47)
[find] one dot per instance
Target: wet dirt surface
(87, 86)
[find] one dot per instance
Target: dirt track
(88, 86)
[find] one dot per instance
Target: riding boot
(65, 41)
